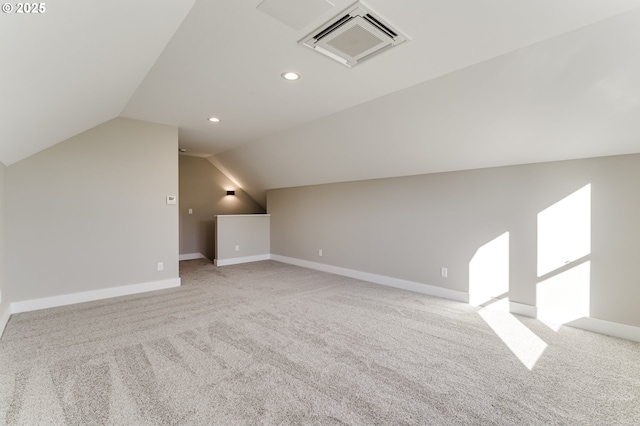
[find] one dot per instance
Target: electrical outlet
(320, 252)
(444, 272)
(160, 266)
(190, 211)
(237, 247)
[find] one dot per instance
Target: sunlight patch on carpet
(524, 343)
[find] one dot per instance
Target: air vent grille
(333, 27)
(353, 36)
(380, 25)
(355, 40)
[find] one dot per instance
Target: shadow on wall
(202, 196)
(208, 229)
(563, 272)
(238, 201)
(557, 240)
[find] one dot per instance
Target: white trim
(523, 309)
(431, 290)
(236, 260)
(595, 325)
(609, 328)
(88, 296)
(4, 319)
(493, 303)
(242, 215)
(191, 256)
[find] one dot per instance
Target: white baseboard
(245, 259)
(614, 329)
(4, 319)
(595, 325)
(191, 256)
(523, 309)
(378, 279)
(590, 324)
(88, 296)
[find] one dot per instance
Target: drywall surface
(4, 288)
(91, 213)
(538, 234)
(544, 102)
(242, 236)
(203, 190)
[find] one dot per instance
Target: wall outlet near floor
(237, 247)
(444, 272)
(320, 252)
(160, 266)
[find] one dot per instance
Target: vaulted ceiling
(478, 84)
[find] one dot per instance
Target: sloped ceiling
(574, 96)
(75, 66)
(479, 84)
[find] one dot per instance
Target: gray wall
(410, 227)
(242, 236)
(4, 304)
(203, 189)
(91, 213)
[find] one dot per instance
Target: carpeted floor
(270, 343)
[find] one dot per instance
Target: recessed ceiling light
(214, 119)
(290, 75)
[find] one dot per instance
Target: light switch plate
(172, 199)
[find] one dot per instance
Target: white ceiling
(480, 83)
(75, 66)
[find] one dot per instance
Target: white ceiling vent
(353, 36)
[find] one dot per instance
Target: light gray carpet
(269, 343)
